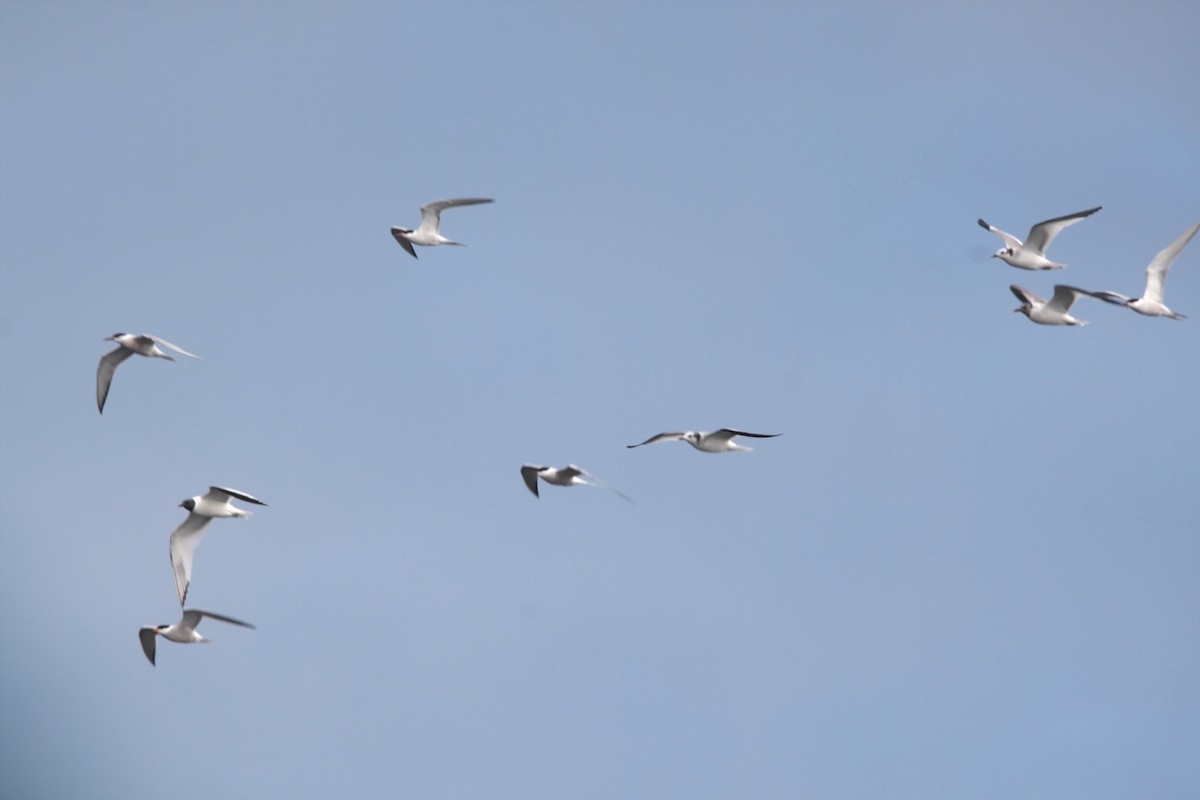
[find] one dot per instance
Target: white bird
(129, 343)
(716, 442)
(1151, 302)
(1032, 253)
(428, 232)
(202, 509)
(183, 631)
(569, 475)
(1053, 311)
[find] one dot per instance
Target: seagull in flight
(127, 345)
(431, 218)
(1151, 302)
(1054, 311)
(716, 442)
(569, 475)
(183, 631)
(201, 511)
(1032, 254)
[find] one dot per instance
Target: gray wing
(192, 617)
(104, 373)
(1156, 273)
(220, 493)
(1025, 296)
(167, 344)
(604, 485)
(726, 433)
(1116, 298)
(1043, 233)
(530, 475)
(183, 545)
(1007, 238)
(405, 243)
(147, 637)
(1064, 297)
(662, 437)
(431, 213)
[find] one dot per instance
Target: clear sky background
(967, 569)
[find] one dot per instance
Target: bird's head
(189, 504)
(692, 436)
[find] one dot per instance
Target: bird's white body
(715, 442)
(1055, 311)
(569, 475)
(1031, 254)
(183, 632)
(428, 233)
(202, 509)
(1151, 302)
(143, 344)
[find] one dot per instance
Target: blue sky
(966, 569)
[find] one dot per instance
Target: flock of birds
(218, 501)
(1031, 255)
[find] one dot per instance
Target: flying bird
(1151, 302)
(716, 442)
(428, 233)
(201, 511)
(1054, 311)
(1032, 253)
(128, 344)
(569, 475)
(183, 631)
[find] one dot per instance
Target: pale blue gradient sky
(967, 568)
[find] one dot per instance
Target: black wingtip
(984, 225)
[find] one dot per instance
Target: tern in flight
(1054, 311)
(716, 442)
(431, 217)
(1032, 253)
(569, 475)
(201, 510)
(128, 344)
(1151, 302)
(183, 631)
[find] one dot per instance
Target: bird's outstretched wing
(1064, 297)
(147, 636)
(727, 434)
(405, 243)
(1007, 238)
(580, 471)
(1156, 273)
(104, 373)
(1043, 233)
(222, 495)
(167, 344)
(431, 213)
(529, 474)
(192, 617)
(662, 437)
(1025, 296)
(183, 544)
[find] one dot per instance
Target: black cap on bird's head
(189, 504)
